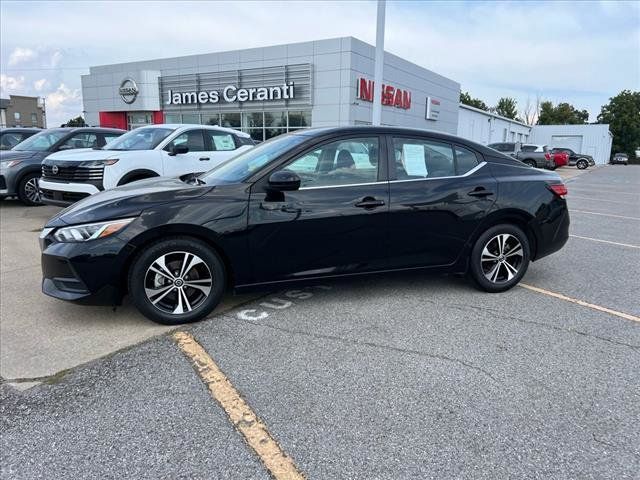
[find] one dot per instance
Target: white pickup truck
(164, 150)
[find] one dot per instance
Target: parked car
(20, 168)
(537, 156)
(580, 160)
(622, 158)
(153, 151)
(309, 205)
(560, 159)
(10, 137)
(508, 148)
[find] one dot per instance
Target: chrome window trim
(470, 172)
(344, 185)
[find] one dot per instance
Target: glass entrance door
(139, 119)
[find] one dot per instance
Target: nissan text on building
(271, 90)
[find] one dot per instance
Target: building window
(211, 119)
(191, 118)
(230, 120)
(16, 116)
(504, 135)
(34, 119)
(172, 118)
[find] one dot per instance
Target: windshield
(41, 142)
(242, 166)
(139, 139)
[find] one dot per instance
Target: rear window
(529, 148)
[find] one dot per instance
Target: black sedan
(313, 204)
(20, 167)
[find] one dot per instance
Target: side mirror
(179, 150)
(284, 181)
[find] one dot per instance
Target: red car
(560, 159)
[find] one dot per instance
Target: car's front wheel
(29, 190)
(499, 258)
(177, 280)
(582, 164)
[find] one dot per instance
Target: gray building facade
(271, 90)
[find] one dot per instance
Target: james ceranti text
(231, 93)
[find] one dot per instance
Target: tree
(75, 122)
(507, 107)
(622, 113)
(531, 112)
(561, 114)
(473, 102)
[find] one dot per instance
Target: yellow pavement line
(626, 316)
(255, 432)
(603, 200)
(606, 241)
(604, 214)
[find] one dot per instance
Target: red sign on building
(391, 96)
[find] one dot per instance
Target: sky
(577, 52)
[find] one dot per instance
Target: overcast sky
(582, 53)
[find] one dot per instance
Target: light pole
(377, 79)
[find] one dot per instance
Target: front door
(336, 223)
(439, 194)
(197, 159)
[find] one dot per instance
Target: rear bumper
(553, 234)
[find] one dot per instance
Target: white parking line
(626, 316)
(605, 241)
(602, 200)
(599, 190)
(603, 214)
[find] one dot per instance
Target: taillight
(560, 189)
(547, 156)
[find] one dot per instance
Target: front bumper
(91, 273)
(64, 193)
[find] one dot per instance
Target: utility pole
(377, 79)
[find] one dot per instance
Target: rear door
(220, 145)
(336, 223)
(439, 193)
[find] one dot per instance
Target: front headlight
(99, 163)
(90, 231)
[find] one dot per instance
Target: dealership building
(272, 90)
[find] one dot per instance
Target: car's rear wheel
(177, 280)
(582, 164)
(29, 190)
(531, 163)
(499, 258)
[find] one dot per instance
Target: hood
(127, 201)
(15, 155)
(83, 154)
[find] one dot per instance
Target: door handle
(480, 192)
(204, 159)
(370, 203)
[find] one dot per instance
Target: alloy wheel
(178, 282)
(32, 190)
(502, 257)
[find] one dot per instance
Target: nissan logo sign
(54, 169)
(128, 90)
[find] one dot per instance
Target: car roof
(20, 129)
(184, 126)
(375, 130)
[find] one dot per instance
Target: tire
(125, 180)
(582, 164)
(495, 275)
(531, 163)
(164, 293)
(28, 190)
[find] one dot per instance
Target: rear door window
(81, 140)
(221, 141)
(417, 158)
(466, 160)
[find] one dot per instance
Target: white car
(163, 150)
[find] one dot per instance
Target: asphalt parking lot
(402, 376)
